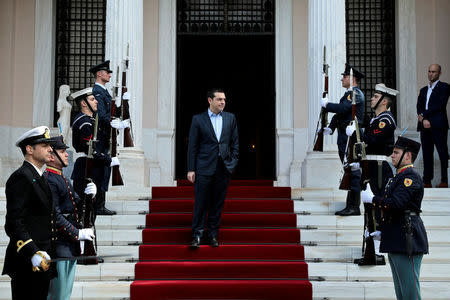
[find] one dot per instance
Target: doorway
(244, 67)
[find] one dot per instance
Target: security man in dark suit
(433, 124)
(70, 231)
(340, 121)
(378, 137)
(213, 152)
(30, 220)
(403, 234)
(102, 74)
(82, 132)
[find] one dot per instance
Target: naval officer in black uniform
(403, 234)
(70, 231)
(30, 220)
(340, 121)
(378, 137)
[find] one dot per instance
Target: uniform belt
(375, 157)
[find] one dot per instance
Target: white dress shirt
(430, 89)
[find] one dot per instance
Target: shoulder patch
(381, 124)
(349, 98)
(407, 182)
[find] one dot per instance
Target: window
(370, 28)
(80, 44)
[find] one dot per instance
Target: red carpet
(260, 256)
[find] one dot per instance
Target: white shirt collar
(37, 169)
(104, 87)
(433, 85)
(210, 113)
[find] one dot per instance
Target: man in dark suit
(433, 125)
(30, 220)
(213, 152)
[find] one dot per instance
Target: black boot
(352, 208)
(347, 201)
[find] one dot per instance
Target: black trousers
(30, 285)
(210, 192)
(430, 138)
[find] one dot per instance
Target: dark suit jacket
(29, 215)
(204, 148)
(437, 106)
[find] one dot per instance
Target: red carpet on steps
(260, 256)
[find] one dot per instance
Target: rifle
(116, 177)
(87, 212)
(323, 117)
(355, 150)
(127, 138)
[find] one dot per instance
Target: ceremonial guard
(340, 121)
(102, 73)
(403, 234)
(30, 220)
(378, 138)
(82, 132)
(67, 210)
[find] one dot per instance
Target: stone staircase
(331, 244)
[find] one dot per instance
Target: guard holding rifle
(403, 234)
(82, 132)
(30, 220)
(67, 211)
(102, 74)
(340, 121)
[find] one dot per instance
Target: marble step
(437, 255)
(353, 272)
(333, 194)
(324, 207)
(353, 237)
(86, 290)
(384, 290)
(101, 272)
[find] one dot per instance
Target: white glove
(366, 233)
(350, 129)
(86, 234)
(367, 195)
(327, 131)
(91, 189)
(376, 235)
(81, 247)
(114, 161)
(117, 124)
(354, 166)
(126, 96)
(38, 257)
(324, 102)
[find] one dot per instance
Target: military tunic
(340, 121)
(30, 225)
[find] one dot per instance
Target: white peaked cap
(385, 90)
(86, 91)
(34, 136)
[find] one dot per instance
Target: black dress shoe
(105, 212)
(213, 242)
(350, 211)
(195, 243)
(338, 213)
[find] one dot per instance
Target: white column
(284, 91)
(44, 64)
(406, 64)
(124, 26)
(326, 26)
